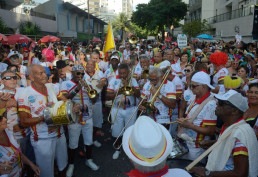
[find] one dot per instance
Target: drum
(64, 115)
(181, 163)
(179, 148)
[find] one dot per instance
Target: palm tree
(29, 28)
(122, 23)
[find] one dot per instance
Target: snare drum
(179, 148)
(64, 115)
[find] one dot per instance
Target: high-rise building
(127, 7)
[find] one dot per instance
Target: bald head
(37, 74)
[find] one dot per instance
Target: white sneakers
(91, 164)
(69, 172)
(116, 155)
(97, 144)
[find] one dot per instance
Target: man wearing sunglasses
(200, 121)
(237, 153)
(75, 90)
(15, 60)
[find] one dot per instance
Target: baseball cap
(77, 68)
(235, 98)
(114, 57)
(198, 50)
(12, 53)
(202, 78)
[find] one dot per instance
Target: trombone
(149, 104)
(92, 93)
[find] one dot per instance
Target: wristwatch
(160, 96)
(207, 172)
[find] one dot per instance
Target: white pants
(122, 118)
(61, 156)
(75, 130)
(97, 114)
(44, 150)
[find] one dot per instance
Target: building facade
(227, 17)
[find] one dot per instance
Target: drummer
(47, 142)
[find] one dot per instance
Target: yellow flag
(110, 42)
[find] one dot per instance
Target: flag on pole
(110, 42)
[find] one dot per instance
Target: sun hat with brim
(202, 78)
(235, 98)
(147, 143)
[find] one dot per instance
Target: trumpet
(92, 93)
(127, 89)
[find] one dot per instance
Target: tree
(159, 15)
(122, 23)
(192, 29)
(3, 28)
(29, 28)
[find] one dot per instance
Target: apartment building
(227, 17)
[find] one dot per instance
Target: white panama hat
(147, 143)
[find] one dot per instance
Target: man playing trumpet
(160, 93)
(123, 90)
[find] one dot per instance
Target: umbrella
(49, 38)
(205, 36)
(18, 38)
(95, 39)
(3, 38)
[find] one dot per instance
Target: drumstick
(173, 122)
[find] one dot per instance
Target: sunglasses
(71, 65)
(10, 77)
(187, 70)
(152, 80)
(192, 86)
(14, 57)
(79, 73)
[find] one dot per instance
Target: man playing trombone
(160, 93)
(123, 90)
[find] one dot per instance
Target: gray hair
(155, 70)
(7, 71)
(145, 169)
(144, 57)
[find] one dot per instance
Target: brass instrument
(92, 93)
(150, 104)
(145, 74)
(127, 90)
(133, 39)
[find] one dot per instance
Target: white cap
(202, 78)
(235, 98)
(114, 57)
(13, 53)
(198, 50)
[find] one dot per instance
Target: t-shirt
(126, 101)
(12, 154)
(168, 90)
(110, 73)
(34, 103)
(81, 97)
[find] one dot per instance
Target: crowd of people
(203, 97)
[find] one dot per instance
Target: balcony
(242, 12)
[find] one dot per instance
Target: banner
(181, 40)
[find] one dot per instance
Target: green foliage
(29, 28)
(3, 28)
(158, 14)
(196, 27)
(122, 22)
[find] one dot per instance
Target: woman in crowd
(11, 156)
(243, 73)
